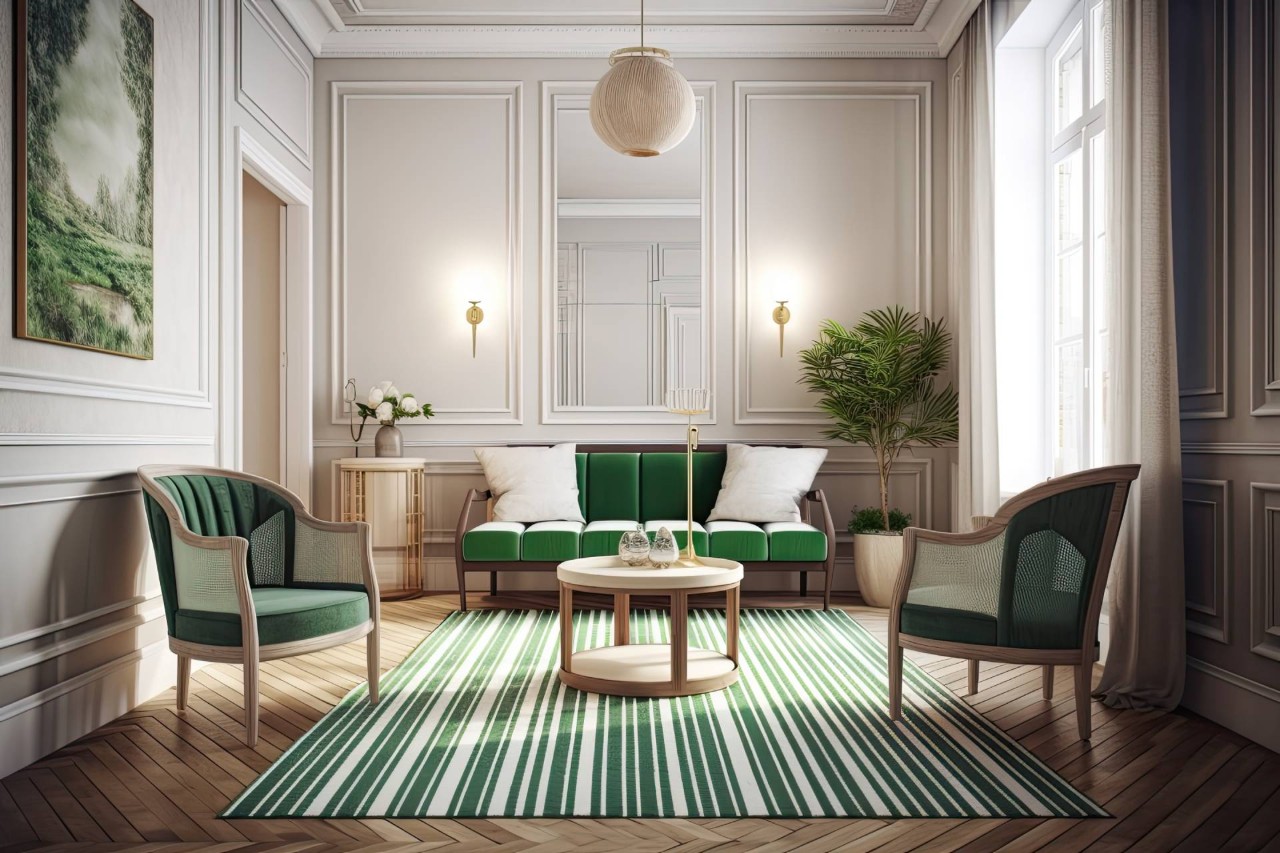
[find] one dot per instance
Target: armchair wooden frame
(251, 653)
(813, 507)
(1081, 658)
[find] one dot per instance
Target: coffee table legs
(731, 598)
(679, 640)
(566, 627)
(621, 619)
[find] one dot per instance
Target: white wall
(835, 179)
(82, 632)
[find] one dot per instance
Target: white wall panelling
(273, 80)
(425, 189)
(574, 96)
(833, 200)
(1206, 513)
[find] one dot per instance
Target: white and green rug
(475, 723)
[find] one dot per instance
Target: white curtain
(973, 317)
(1147, 657)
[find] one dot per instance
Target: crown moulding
(328, 36)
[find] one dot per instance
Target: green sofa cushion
(663, 487)
(600, 539)
(616, 495)
(284, 615)
(737, 540)
(795, 542)
(551, 540)
(493, 541)
(580, 463)
(680, 528)
(948, 624)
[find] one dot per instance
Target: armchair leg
(826, 589)
(895, 678)
(973, 677)
(1084, 707)
(462, 588)
(184, 678)
(251, 695)
(372, 653)
(1046, 687)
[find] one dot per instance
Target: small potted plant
(386, 405)
(876, 381)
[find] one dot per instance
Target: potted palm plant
(877, 382)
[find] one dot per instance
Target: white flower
(384, 385)
(409, 404)
(375, 395)
(384, 411)
(392, 393)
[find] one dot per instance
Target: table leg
(731, 623)
(621, 619)
(679, 640)
(566, 627)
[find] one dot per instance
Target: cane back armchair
(1026, 588)
(247, 575)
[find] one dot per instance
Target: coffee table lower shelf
(645, 670)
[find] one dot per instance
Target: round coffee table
(624, 669)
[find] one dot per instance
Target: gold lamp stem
(691, 446)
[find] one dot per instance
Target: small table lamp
(690, 402)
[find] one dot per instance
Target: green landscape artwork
(84, 166)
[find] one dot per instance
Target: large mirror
(630, 307)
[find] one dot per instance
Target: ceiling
(591, 28)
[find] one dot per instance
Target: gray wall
(1223, 119)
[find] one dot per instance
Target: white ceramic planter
(877, 560)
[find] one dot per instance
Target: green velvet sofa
(619, 487)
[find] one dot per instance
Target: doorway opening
(264, 332)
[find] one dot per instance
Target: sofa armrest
(473, 497)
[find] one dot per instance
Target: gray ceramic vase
(388, 441)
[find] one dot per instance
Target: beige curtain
(1147, 657)
(973, 316)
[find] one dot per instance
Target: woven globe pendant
(642, 106)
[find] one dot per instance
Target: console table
(355, 482)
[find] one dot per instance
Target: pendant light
(642, 106)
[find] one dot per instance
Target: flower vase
(388, 442)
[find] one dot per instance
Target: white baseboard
(1238, 703)
(36, 725)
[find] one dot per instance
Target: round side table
(648, 669)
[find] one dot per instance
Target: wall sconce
(781, 316)
(475, 315)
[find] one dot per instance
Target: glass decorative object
(633, 547)
(663, 552)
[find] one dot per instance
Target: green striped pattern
(475, 723)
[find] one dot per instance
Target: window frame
(1077, 136)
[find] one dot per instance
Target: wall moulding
(1264, 534)
(750, 296)
(1264, 201)
(257, 16)
(509, 93)
(1210, 502)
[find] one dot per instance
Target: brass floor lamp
(689, 402)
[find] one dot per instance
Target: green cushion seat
(795, 542)
(551, 541)
(948, 624)
(680, 530)
(737, 540)
(600, 539)
(493, 541)
(284, 615)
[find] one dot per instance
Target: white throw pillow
(766, 483)
(532, 483)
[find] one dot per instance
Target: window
(1077, 240)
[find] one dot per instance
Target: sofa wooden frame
(1082, 658)
(813, 502)
(251, 653)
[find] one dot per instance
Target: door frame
(253, 157)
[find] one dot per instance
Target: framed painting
(84, 155)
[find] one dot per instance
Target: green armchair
(1026, 588)
(247, 575)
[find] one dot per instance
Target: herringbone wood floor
(157, 779)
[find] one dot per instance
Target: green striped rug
(475, 723)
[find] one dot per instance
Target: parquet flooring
(154, 779)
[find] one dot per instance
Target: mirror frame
(556, 95)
